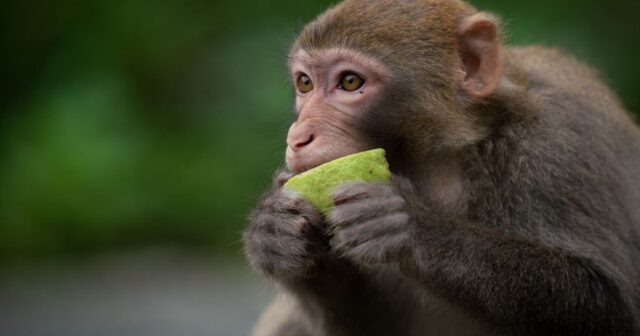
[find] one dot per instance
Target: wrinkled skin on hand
(285, 240)
(372, 222)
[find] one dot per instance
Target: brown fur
(516, 213)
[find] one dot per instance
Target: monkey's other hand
(371, 221)
(284, 239)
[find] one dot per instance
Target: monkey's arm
(517, 283)
(513, 282)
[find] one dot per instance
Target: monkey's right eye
(304, 84)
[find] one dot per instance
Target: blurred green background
(135, 123)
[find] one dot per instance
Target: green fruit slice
(317, 185)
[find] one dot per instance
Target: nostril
(304, 143)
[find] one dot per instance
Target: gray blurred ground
(157, 292)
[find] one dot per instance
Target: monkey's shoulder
(552, 61)
(550, 68)
(561, 87)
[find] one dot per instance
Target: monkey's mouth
(300, 161)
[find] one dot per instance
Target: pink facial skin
(325, 128)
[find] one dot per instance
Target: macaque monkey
(514, 205)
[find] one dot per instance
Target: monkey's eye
(304, 84)
(351, 82)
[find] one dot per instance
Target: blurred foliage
(143, 122)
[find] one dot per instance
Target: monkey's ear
(480, 54)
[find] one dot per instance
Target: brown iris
(304, 84)
(351, 82)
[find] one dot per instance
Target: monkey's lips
(299, 163)
(309, 158)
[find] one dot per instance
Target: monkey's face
(364, 79)
(335, 88)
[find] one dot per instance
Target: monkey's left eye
(350, 82)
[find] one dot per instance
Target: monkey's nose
(298, 144)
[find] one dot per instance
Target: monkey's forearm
(519, 284)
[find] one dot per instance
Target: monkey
(514, 202)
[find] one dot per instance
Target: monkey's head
(394, 74)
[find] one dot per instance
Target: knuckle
(281, 177)
(347, 188)
(313, 217)
(302, 206)
(286, 197)
(397, 200)
(334, 215)
(299, 224)
(286, 201)
(348, 239)
(338, 239)
(337, 216)
(261, 223)
(342, 237)
(399, 217)
(350, 191)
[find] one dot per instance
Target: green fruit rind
(317, 185)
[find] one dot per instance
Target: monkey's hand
(371, 221)
(284, 239)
